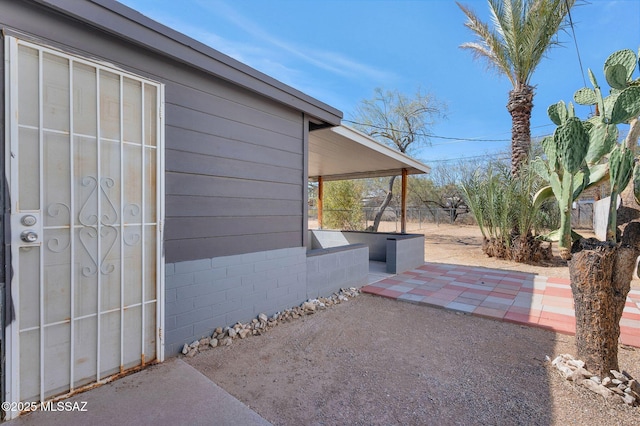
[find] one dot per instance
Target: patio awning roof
(339, 153)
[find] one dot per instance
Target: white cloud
(284, 51)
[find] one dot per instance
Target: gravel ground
(377, 361)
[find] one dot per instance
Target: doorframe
(9, 388)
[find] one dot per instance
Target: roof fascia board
(138, 29)
(366, 175)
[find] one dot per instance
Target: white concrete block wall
(204, 294)
(600, 217)
(329, 271)
(404, 253)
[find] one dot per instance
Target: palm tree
(523, 31)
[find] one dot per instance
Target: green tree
(521, 34)
(342, 205)
(399, 121)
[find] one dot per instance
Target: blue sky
(339, 51)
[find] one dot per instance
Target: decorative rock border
(260, 325)
(620, 388)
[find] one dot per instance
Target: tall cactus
(620, 170)
(572, 153)
(577, 147)
(621, 106)
(600, 271)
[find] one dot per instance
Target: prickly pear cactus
(620, 171)
(577, 147)
(602, 139)
(619, 67)
(565, 168)
(572, 144)
(626, 106)
(618, 70)
(620, 167)
(585, 96)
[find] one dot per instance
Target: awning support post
(320, 194)
(403, 208)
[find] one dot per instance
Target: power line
(471, 140)
(575, 42)
(426, 134)
(446, 160)
(450, 138)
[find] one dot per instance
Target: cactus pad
(625, 58)
(616, 76)
(592, 78)
(585, 96)
(557, 113)
(549, 147)
(577, 147)
(626, 106)
(572, 142)
(620, 168)
(602, 139)
(609, 101)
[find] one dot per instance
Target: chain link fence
(417, 218)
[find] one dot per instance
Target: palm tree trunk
(519, 106)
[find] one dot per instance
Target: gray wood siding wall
(4, 190)
(233, 172)
(234, 160)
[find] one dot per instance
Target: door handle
(29, 236)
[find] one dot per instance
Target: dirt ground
(462, 245)
(377, 361)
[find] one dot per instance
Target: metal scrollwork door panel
(85, 179)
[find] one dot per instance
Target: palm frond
(541, 25)
(520, 34)
(505, 17)
(489, 44)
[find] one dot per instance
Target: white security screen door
(85, 168)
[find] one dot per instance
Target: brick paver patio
(517, 297)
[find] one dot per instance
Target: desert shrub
(503, 208)
(342, 206)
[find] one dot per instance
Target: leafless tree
(399, 121)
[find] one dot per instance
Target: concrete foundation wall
(322, 239)
(329, 270)
(401, 252)
(404, 253)
(203, 294)
(376, 241)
